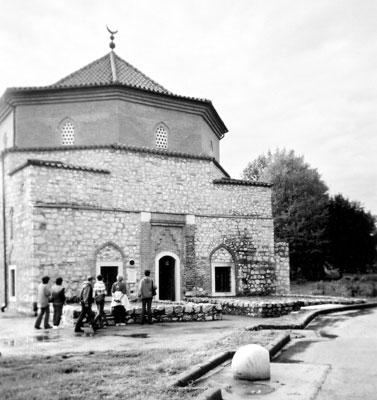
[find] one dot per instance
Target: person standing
(99, 297)
(120, 285)
(44, 294)
(146, 292)
(58, 300)
(86, 299)
(119, 303)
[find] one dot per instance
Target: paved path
(346, 342)
(18, 336)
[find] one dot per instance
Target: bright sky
(294, 74)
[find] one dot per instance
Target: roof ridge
(140, 72)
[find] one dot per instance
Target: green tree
(299, 208)
(352, 234)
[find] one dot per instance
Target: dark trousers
(101, 316)
(58, 311)
(43, 311)
(146, 309)
(86, 310)
(119, 314)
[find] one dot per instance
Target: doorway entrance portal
(223, 282)
(109, 271)
(166, 278)
(109, 274)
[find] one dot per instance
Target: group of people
(47, 294)
(94, 293)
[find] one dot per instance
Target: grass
(137, 375)
(348, 286)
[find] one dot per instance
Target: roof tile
(99, 72)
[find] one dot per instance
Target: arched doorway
(109, 263)
(168, 276)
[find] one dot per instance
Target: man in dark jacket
(86, 298)
(146, 293)
(58, 300)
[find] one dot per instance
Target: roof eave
(16, 94)
(5, 107)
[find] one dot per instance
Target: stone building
(108, 172)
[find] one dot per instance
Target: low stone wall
(211, 309)
(261, 309)
(160, 313)
(272, 308)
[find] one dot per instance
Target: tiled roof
(230, 181)
(113, 146)
(58, 164)
(116, 146)
(110, 69)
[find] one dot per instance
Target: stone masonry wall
(282, 268)
(21, 249)
(190, 273)
(252, 244)
(142, 181)
(2, 244)
(67, 214)
(65, 243)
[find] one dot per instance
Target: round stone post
(251, 362)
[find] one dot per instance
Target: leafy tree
(299, 208)
(352, 234)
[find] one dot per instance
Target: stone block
(188, 308)
(207, 308)
(169, 310)
(178, 309)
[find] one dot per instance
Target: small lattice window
(68, 134)
(161, 137)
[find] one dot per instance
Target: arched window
(161, 132)
(67, 133)
(223, 273)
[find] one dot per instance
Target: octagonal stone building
(106, 171)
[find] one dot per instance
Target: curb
(273, 348)
(200, 370)
(210, 394)
(278, 344)
(311, 316)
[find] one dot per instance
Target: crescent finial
(112, 33)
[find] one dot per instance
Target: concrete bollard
(251, 362)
